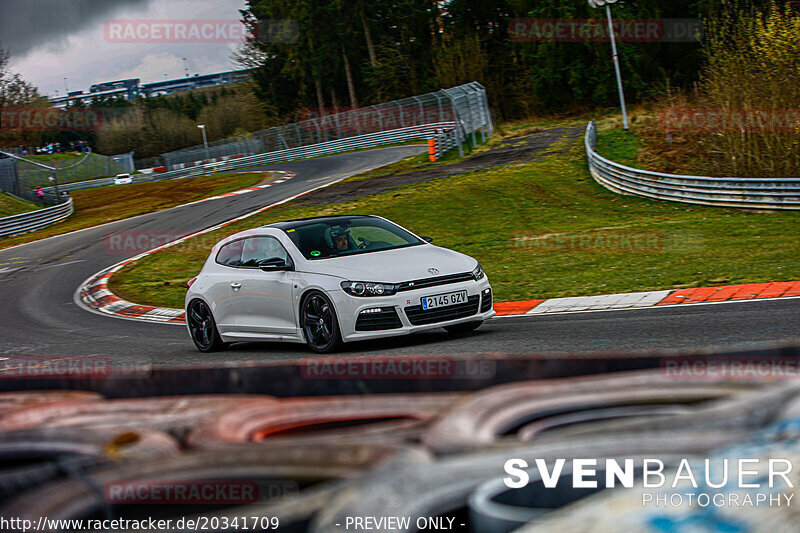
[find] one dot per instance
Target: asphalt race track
(39, 317)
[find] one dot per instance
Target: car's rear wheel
(320, 325)
(464, 327)
(203, 328)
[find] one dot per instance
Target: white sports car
(324, 281)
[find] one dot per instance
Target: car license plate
(443, 300)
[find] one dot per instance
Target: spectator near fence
(40, 194)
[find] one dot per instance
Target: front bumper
(401, 314)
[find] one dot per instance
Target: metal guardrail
(26, 222)
(466, 105)
(304, 152)
(753, 193)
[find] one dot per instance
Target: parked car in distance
(122, 179)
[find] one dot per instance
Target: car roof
(299, 222)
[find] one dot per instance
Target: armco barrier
(465, 105)
(25, 222)
(358, 142)
(753, 193)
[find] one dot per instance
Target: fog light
(372, 310)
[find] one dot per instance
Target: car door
(219, 278)
(264, 303)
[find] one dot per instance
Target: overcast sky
(53, 39)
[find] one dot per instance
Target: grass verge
(116, 202)
(11, 205)
(541, 229)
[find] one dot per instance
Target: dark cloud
(29, 24)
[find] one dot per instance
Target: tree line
(349, 53)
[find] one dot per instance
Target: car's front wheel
(464, 327)
(320, 325)
(203, 328)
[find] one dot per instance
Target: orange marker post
(432, 150)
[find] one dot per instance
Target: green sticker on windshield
(315, 253)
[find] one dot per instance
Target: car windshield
(336, 237)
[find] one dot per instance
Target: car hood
(394, 266)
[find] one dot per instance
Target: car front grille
(386, 318)
(486, 300)
(417, 316)
(434, 282)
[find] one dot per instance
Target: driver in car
(341, 239)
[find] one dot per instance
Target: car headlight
(477, 272)
(368, 288)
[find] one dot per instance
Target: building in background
(131, 88)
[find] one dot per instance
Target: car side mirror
(275, 264)
(427, 239)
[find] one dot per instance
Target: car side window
(257, 249)
(230, 254)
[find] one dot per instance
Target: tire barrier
(551, 423)
(495, 508)
(751, 193)
(441, 487)
(605, 511)
(744, 411)
(176, 415)
(304, 421)
(315, 461)
(499, 413)
(15, 400)
(276, 472)
(45, 454)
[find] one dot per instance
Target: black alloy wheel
(203, 328)
(320, 326)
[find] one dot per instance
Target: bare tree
(14, 91)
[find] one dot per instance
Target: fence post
(485, 101)
(421, 111)
(282, 140)
(457, 121)
(319, 133)
(380, 119)
(338, 126)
